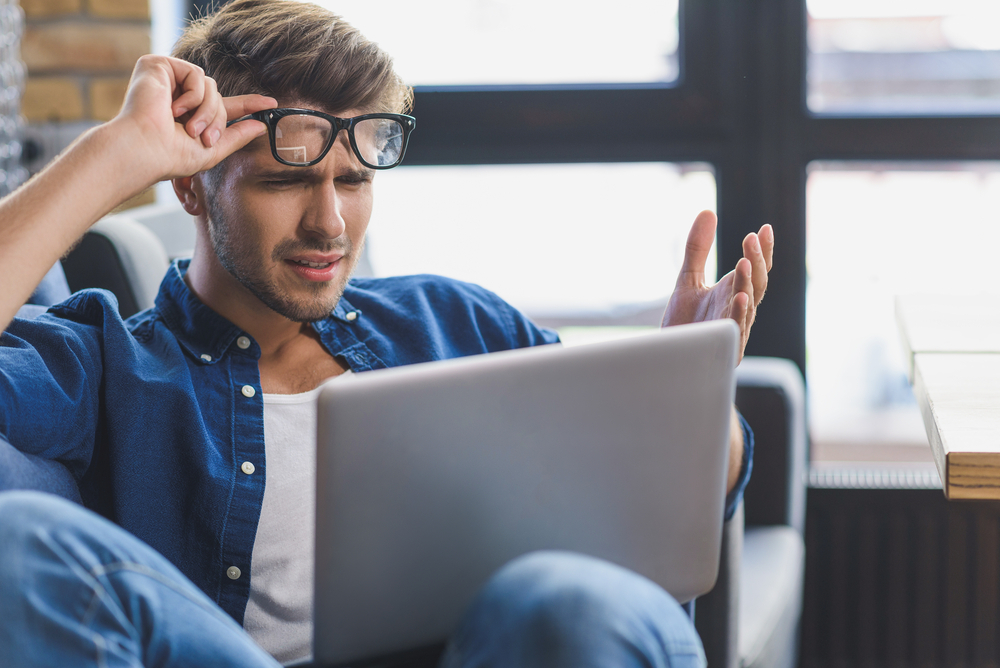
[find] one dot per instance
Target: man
(172, 421)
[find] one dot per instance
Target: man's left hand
(736, 295)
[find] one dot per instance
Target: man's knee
(566, 600)
(28, 521)
(24, 514)
(566, 585)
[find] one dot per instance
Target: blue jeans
(76, 590)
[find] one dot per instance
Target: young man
(172, 421)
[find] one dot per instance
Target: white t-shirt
(279, 614)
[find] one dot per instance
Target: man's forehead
(316, 106)
(260, 145)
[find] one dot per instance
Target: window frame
(739, 104)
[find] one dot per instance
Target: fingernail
(180, 112)
(756, 243)
(213, 137)
(199, 127)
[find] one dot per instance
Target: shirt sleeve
(522, 331)
(50, 379)
(736, 495)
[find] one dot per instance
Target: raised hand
(736, 295)
(173, 123)
(177, 118)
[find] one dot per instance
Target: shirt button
(233, 573)
(243, 342)
(207, 358)
(248, 391)
(353, 315)
(247, 468)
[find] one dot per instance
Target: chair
(122, 256)
(751, 618)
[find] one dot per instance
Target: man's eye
(282, 184)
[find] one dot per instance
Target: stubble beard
(238, 255)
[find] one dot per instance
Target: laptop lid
(431, 477)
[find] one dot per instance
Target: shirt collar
(200, 330)
(342, 312)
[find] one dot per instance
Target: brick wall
(79, 54)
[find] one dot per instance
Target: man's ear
(190, 194)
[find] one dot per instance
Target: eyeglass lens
(300, 139)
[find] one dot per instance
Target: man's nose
(325, 215)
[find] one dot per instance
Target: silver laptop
(433, 476)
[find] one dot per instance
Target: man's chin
(298, 313)
(311, 310)
(306, 308)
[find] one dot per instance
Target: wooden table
(953, 361)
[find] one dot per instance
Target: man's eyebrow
(360, 174)
(287, 173)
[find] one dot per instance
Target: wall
(79, 55)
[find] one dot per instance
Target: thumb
(238, 135)
(241, 105)
(699, 244)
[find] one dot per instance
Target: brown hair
(293, 51)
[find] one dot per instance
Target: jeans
(76, 590)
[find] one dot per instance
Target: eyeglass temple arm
(256, 116)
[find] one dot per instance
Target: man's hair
(293, 51)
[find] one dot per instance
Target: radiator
(900, 577)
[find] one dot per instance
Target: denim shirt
(154, 416)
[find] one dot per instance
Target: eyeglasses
(302, 137)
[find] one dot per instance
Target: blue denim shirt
(154, 416)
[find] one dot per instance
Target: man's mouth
(314, 265)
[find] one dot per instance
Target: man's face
(291, 235)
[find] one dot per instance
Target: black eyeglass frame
(270, 118)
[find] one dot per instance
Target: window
(916, 57)
(914, 222)
(550, 239)
(463, 42)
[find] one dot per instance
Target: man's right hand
(177, 118)
(173, 123)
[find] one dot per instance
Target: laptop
(431, 477)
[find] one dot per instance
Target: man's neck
(292, 359)
(221, 292)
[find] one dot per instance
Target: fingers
(210, 135)
(753, 252)
(743, 280)
(741, 312)
(743, 306)
(191, 88)
(209, 111)
(204, 115)
(197, 96)
(699, 245)
(241, 105)
(766, 236)
(239, 135)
